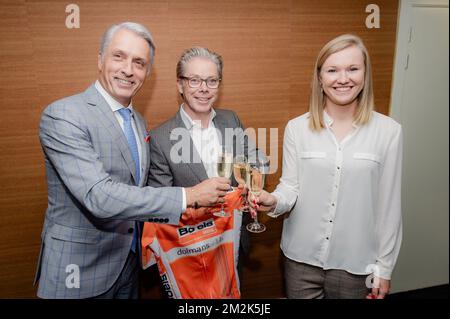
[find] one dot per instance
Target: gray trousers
(304, 281)
(127, 285)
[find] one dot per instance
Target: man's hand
(207, 193)
(243, 188)
(380, 288)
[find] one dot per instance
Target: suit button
(150, 220)
(166, 220)
(157, 220)
(130, 230)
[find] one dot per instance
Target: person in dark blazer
(183, 150)
(97, 159)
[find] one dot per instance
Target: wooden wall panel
(269, 48)
(22, 185)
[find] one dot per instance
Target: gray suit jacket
(164, 171)
(92, 198)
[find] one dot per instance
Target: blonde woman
(340, 186)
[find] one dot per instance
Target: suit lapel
(145, 149)
(108, 120)
(221, 125)
(197, 168)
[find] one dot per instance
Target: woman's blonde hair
(365, 97)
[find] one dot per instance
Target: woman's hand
(380, 288)
(265, 202)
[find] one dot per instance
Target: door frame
(402, 48)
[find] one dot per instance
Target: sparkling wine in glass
(256, 185)
(241, 170)
(224, 169)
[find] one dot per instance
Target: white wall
(420, 103)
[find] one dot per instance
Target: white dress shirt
(344, 198)
(115, 107)
(206, 141)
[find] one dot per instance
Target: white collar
(329, 120)
(113, 104)
(190, 123)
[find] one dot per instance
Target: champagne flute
(256, 185)
(224, 169)
(241, 174)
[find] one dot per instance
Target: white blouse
(344, 198)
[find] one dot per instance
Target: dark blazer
(165, 172)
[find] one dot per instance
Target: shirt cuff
(277, 210)
(383, 271)
(184, 199)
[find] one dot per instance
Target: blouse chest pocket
(312, 155)
(366, 163)
(367, 156)
(312, 162)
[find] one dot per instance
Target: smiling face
(198, 101)
(123, 66)
(342, 77)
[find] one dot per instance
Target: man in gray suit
(97, 158)
(184, 149)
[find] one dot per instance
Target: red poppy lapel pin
(147, 137)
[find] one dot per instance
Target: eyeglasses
(195, 82)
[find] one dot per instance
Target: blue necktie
(131, 138)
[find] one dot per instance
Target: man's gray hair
(137, 28)
(195, 52)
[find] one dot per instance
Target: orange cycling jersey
(198, 257)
